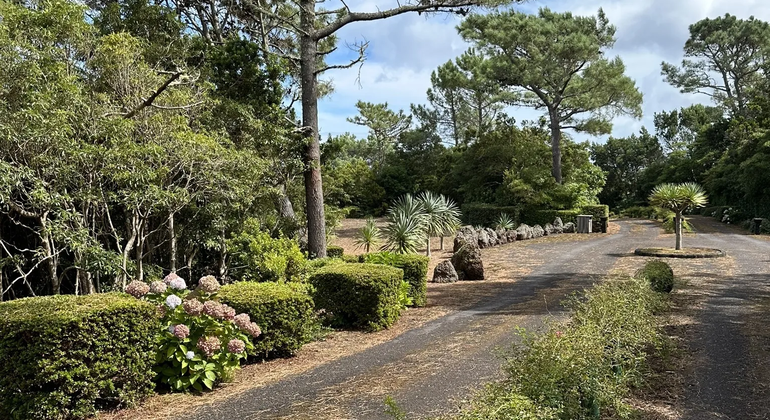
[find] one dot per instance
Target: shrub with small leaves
(659, 274)
(200, 343)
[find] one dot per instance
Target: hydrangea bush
(201, 341)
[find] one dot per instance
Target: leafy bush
(334, 251)
(581, 369)
(415, 269)
(541, 217)
(716, 212)
(66, 356)
(359, 295)
(285, 313)
(201, 340)
(597, 210)
(481, 214)
(256, 256)
(659, 275)
(668, 218)
(640, 212)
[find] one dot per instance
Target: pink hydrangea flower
(208, 284)
(170, 277)
(253, 330)
(137, 289)
(158, 287)
(212, 308)
(227, 313)
(181, 331)
(209, 345)
(242, 321)
(236, 346)
(193, 307)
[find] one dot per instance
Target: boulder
(538, 231)
(569, 228)
(548, 228)
(445, 273)
(483, 240)
(502, 238)
(493, 238)
(524, 232)
(467, 262)
(558, 226)
(511, 235)
(465, 235)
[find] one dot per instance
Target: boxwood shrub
(334, 251)
(285, 313)
(659, 274)
(541, 217)
(62, 357)
(415, 272)
(359, 295)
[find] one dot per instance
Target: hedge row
(541, 217)
(481, 214)
(61, 357)
(285, 313)
(359, 295)
(583, 369)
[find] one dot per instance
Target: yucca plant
(405, 233)
(441, 216)
(678, 198)
(369, 236)
(505, 222)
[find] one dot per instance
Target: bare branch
(360, 60)
(147, 102)
(170, 108)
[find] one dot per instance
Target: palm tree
(407, 225)
(442, 216)
(678, 198)
(369, 236)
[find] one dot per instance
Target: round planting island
(682, 253)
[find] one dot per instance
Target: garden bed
(681, 253)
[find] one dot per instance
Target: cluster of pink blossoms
(236, 346)
(137, 289)
(243, 322)
(209, 345)
(208, 284)
(181, 331)
(193, 307)
(158, 287)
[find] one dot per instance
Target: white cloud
(405, 49)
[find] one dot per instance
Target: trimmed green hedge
(334, 251)
(541, 217)
(597, 211)
(359, 295)
(285, 313)
(481, 214)
(659, 274)
(62, 356)
(415, 272)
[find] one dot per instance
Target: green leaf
(209, 383)
(211, 375)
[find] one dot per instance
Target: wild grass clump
(582, 369)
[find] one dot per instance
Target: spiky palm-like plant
(505, 222)
(678, 198)
(369, 236)
(407, 225)
(443, 216)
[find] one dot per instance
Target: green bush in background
(62, 357)
(481, 214)
(334, 251)
(285, 313)
(256, 256)
(359, 295)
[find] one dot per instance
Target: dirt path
(430, 369)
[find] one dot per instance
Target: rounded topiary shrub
(659, 274)
(334, 251)
(359, 295)
(285, 312)
(62, 357)
(415, 272)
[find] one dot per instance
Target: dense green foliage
(334, 251)
(256, 256)
(285, 313)
(481, 214)
(359, 295)
(66, 356)
(659, 274)
(415, 269)
(583, 369)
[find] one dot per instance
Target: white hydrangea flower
(189, 355)
(173, 301)
(171, 328)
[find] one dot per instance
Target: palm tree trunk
(678, 229)
(428, 252)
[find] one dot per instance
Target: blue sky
(405, 49)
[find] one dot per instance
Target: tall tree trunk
(428, 251)
(172, 243)
(678, 229)
(556, 146)
(316, 225)
(222, 257)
